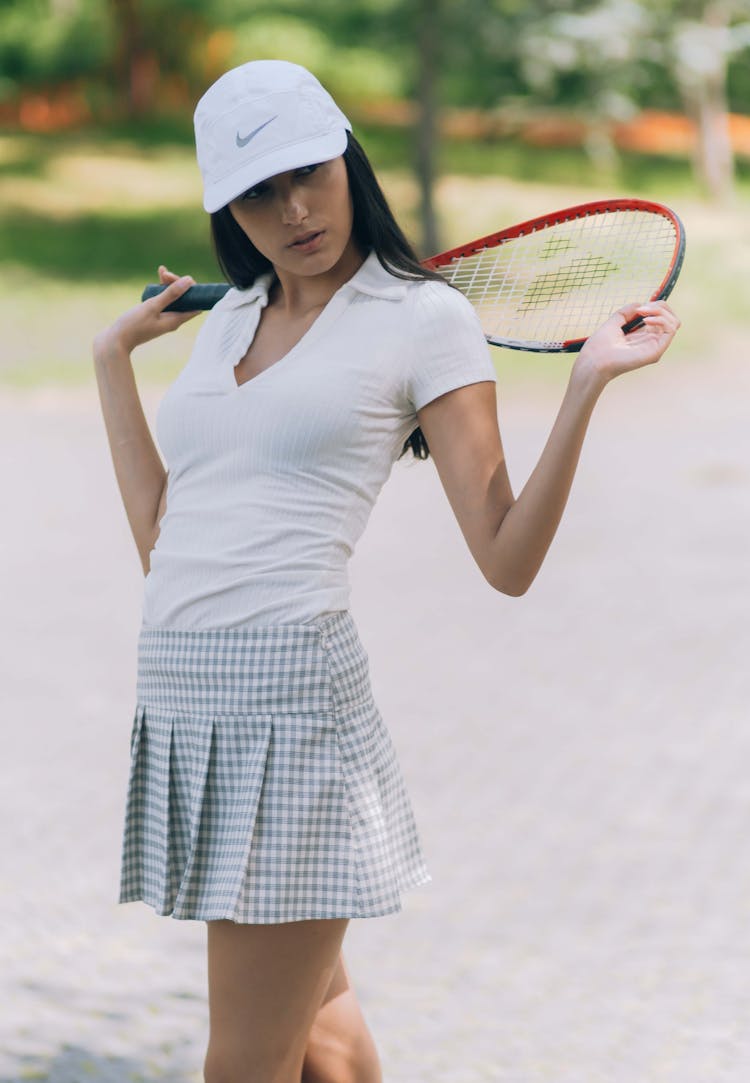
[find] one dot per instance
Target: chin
(313, 263)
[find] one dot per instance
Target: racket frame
(571, 214)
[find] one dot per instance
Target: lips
(305, 238)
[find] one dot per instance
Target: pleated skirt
(264, 786)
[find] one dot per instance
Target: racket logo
(581, 273)
(555, 246)
(243, 140)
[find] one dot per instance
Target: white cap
(260, 119)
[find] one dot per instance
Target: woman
(265, 797)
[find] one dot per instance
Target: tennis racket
(545, 285)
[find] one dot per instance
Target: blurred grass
(85, 219)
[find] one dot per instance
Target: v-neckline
(279, 360)
(325, 316)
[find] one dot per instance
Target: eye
(254, 193)
(306, 170)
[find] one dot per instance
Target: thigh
(340, 1048)
(265, 985)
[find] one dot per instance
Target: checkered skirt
(264, 786)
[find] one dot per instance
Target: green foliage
(115, 248)
(570, 53)
(176, 30)
(481, 39)
(42, 42)
(348, 71)
(738, 82)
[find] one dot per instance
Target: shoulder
(449, 349)
(438, 312)
(433, 297)
(423, 300)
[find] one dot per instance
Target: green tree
(429, 20)
(607, 59)
(156, 40)
(703, 37)
(46, 42)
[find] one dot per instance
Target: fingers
(659, 309)
(649, 318)
(661, 320)
(176, 288)
(649, 310)
(661, 324)
(166, 276)
(636, 335)
(628, 312)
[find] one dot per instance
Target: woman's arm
(139, 470)
(509, 537)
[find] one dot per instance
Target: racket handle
(631, 325)
(198, 298)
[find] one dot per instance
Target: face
(300, 220)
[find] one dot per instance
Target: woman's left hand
(609, 351)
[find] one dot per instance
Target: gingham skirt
(264, 786)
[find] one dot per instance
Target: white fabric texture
(271, 483)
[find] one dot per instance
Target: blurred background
(577, 758)
(475, 112)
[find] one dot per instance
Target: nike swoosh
(243, 141)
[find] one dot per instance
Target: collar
(235, 298)
(371, 278)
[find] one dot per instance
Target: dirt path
(577, 758)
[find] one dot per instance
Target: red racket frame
(569, 214)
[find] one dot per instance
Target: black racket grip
(631, 325)
(199, 298)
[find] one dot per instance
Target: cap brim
(319, 149)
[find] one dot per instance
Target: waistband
(293, 668)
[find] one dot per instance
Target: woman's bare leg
(340, 1048)
(265, 985)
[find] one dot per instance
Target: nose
(293, 207)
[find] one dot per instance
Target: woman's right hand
(147, 320)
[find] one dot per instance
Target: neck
(299, 294)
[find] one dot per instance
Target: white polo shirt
(271, 483)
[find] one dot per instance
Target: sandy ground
(578, 761)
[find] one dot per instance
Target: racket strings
(559, 283)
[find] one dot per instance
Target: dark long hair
(374, 229)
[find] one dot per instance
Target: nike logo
(242, 141)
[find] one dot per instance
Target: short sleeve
(448, 347)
